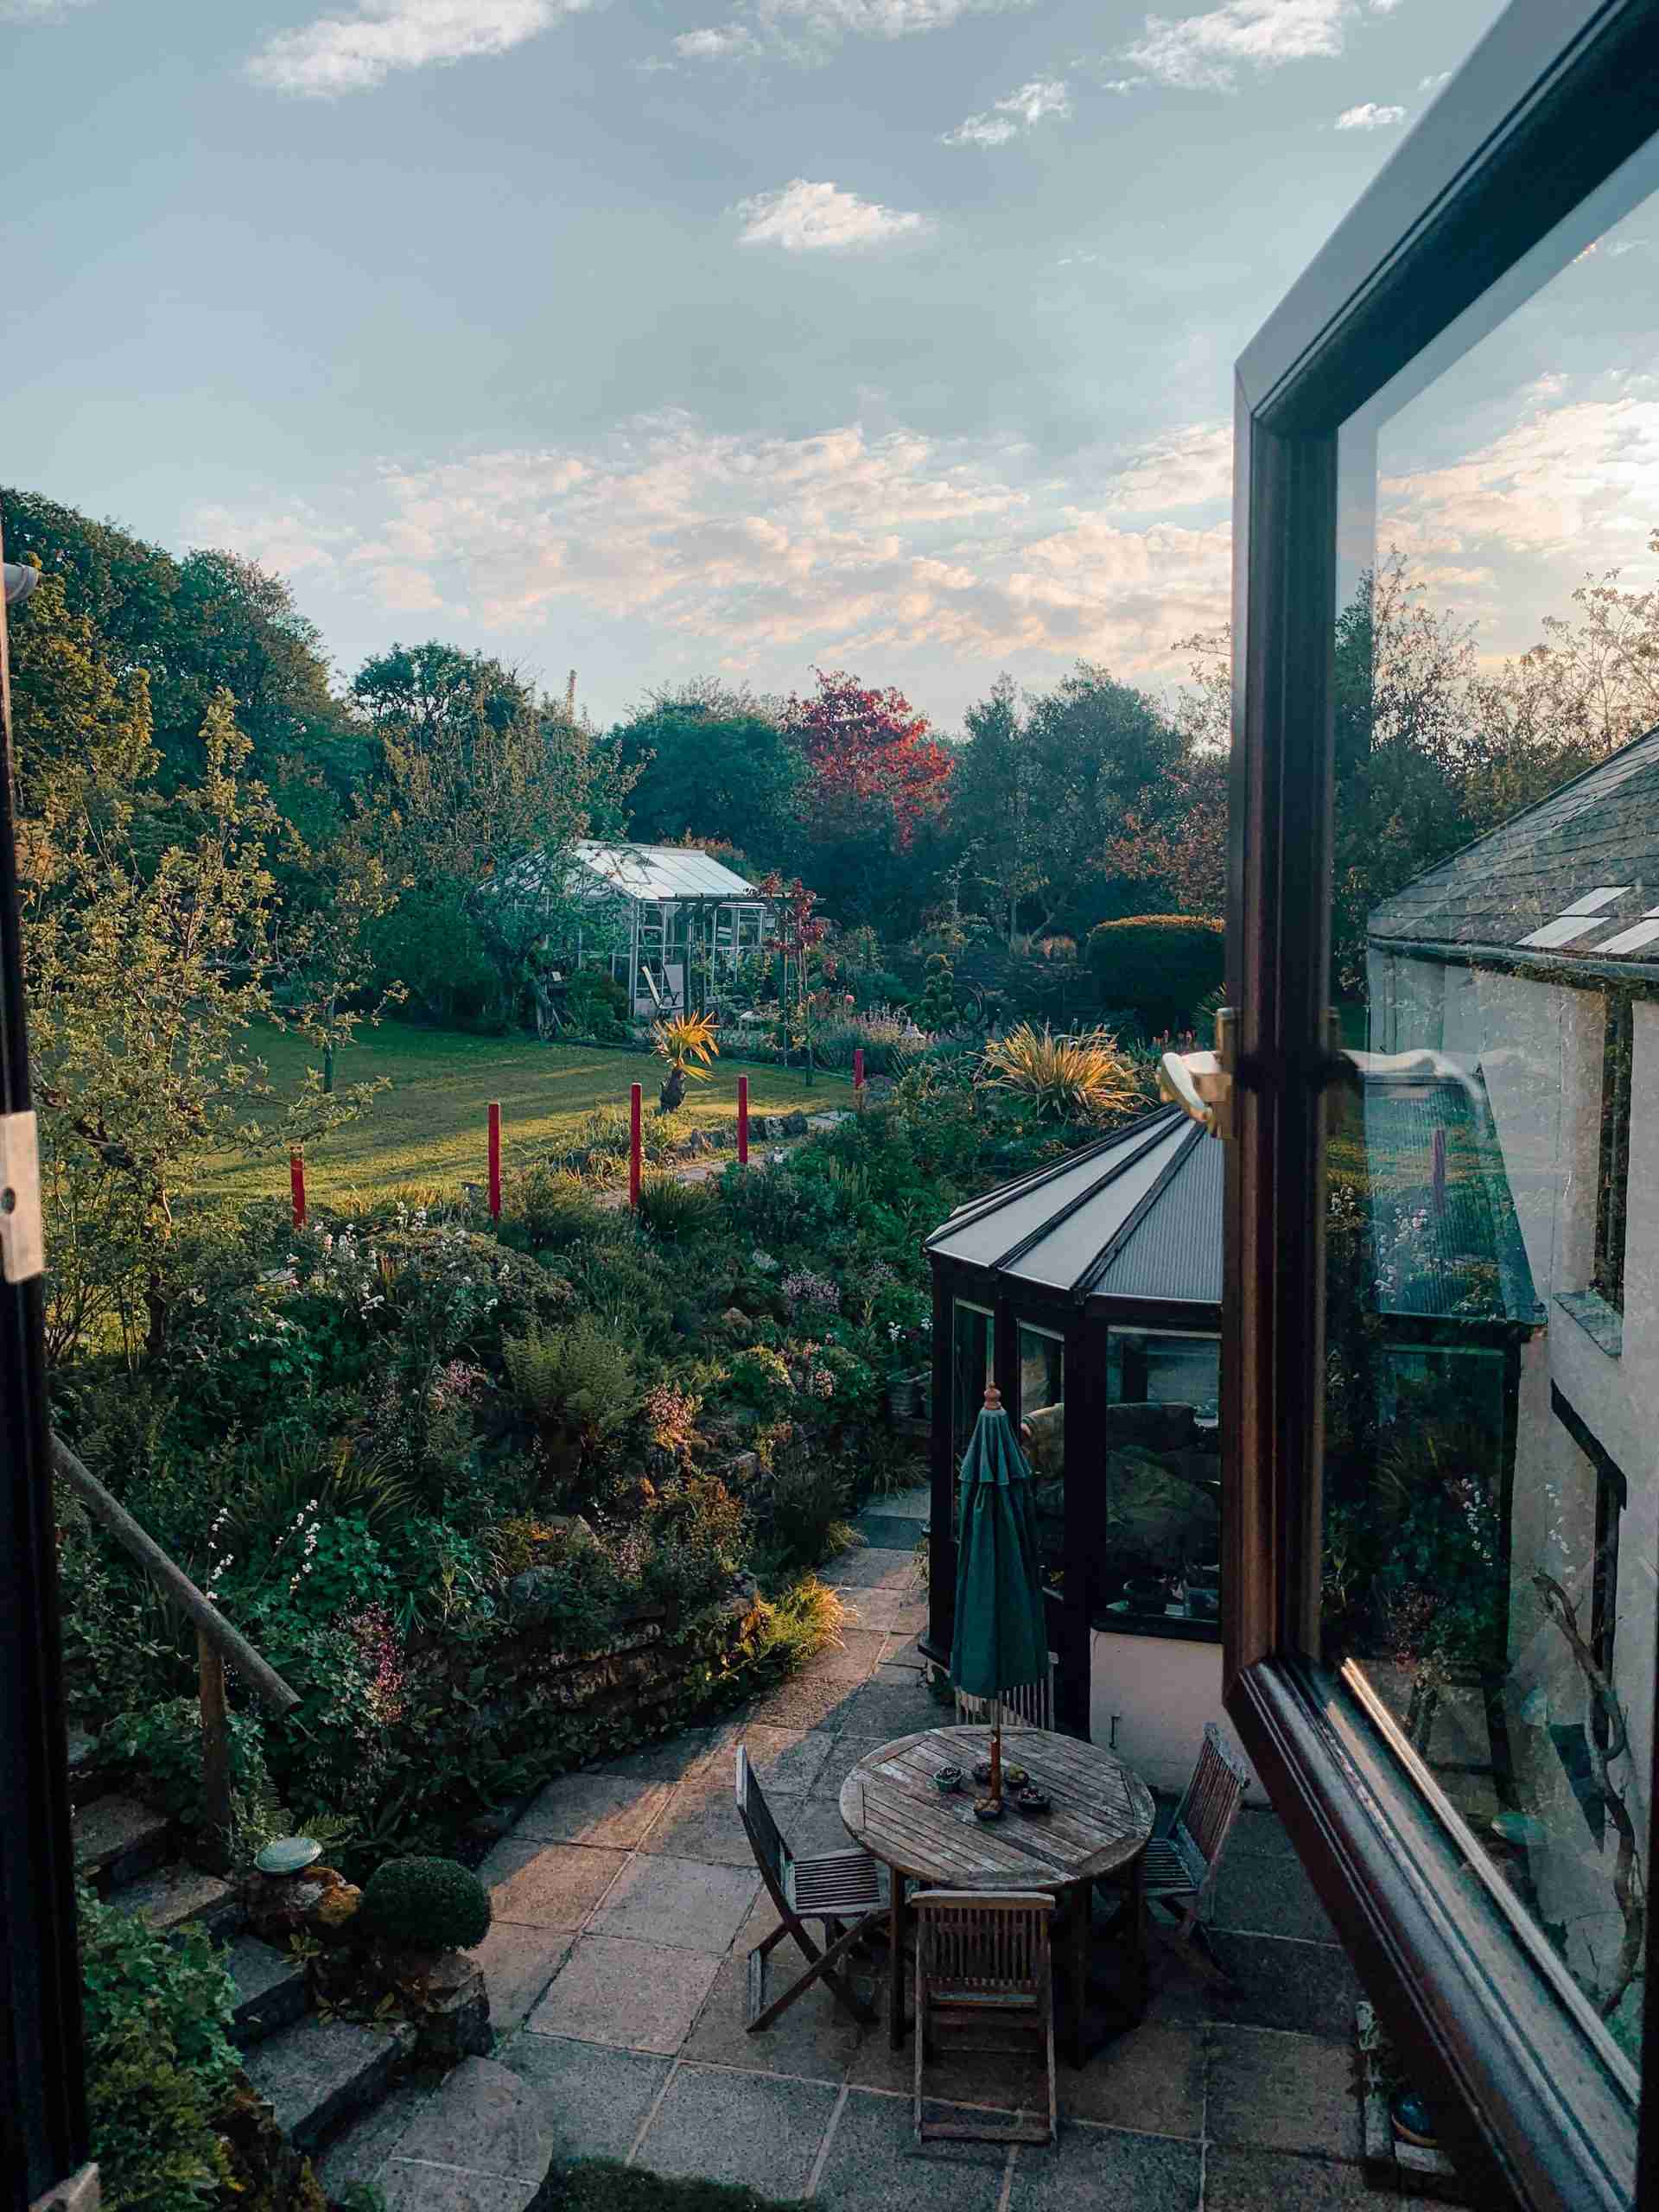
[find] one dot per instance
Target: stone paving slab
(547, 1884)
(1271, 2180)
(483, 2117)
(593, 2100)
(887, 1709)
(703, 1823)
(1105, 2170)
(518, 1963)
(853, 1658)
(875, 2162)
(871, 1568)
(683, 1902)
(1151, 2080)
(1271, 2090)
(1307, 1987)
(782, 1758)
(815, 2039)
(606, 1810)
(639, 1995)
(407, 2185)
(883, 1607)
(754, 2130)
(670, 1759)
(806, 1701)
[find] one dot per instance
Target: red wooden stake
(495, 1159)
(296, 1181)
(858, 1076)
(633, 1146)
(742, 1120)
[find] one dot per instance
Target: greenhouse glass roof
(659, 872)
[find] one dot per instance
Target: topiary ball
(426, 1904)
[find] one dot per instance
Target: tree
(996, 809)
(715, 764)
(875, 780)
(484, 787)
(799, 933)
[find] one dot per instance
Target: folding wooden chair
(838, 1887)
(983, 1961)
(1032, 1706)
(1178, 1872)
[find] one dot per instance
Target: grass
(430, 1130)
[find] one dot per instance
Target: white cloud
(807, 218)
(807, 30)
(1189, 467)
(1204, 53)
(1432, 83)
(361, 48)
(1367, 116)
(1043, 98)
(752, 546)
(36, 11)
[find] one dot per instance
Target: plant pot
(901, 1396)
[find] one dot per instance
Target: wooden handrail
(172, 1580)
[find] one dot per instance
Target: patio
(626, 1902)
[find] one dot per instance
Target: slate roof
(1576, 876)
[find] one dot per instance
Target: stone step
(316, 2074)
(889, 1532)
(481, 2137)
(270, 1990)
(116, 1840)
(175, 1895)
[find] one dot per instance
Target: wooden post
(633, 1145)
(495, 1159)
(858, 1076)
(296, 1183)
(742, 1120)
(215, 1744)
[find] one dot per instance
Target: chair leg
(824, 1966)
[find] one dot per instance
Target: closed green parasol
(1001, 1631)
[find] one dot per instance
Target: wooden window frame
(1546, 109)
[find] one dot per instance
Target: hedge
(1163, 966)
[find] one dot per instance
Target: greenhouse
(674, 926)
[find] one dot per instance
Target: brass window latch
(1201, 1083)
(22, 1247)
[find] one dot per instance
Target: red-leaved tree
(864, 747)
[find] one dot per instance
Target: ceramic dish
(1031, 1801)
(948, 1778)
(985, 1810)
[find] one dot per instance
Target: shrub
(1062, 1079)
(1162, 965)
(597, 1004)
(426, 1904)
(160, 2065)
(579, 1380)
(886, 1037)
(676, 1212)
(809, 1504)
(551, 1209)
(161, 1746)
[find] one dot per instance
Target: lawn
(429, 1129)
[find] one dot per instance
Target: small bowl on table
(947, 1778)
(1014, 1777)
(1031, 1801)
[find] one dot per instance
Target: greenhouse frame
(674, 924)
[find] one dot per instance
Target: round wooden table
(1099, 1824)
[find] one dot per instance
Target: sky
(668, 338)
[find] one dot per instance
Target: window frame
(1613, 1176)
(1548, 106)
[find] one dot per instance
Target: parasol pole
(993, 1404)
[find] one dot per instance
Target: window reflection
(1492, 1191)
(1163, 1477)
(1042, 1417)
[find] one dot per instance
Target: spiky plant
(688, 1044)
(1062, 1079)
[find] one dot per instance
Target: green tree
(714, 764)
(996, 808)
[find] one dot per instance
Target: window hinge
(1201, 1083)
(22, 1248)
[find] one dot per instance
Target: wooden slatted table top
(1101, 1817)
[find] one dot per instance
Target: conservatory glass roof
(653, 871)
(1138, 1215)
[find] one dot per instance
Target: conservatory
(1090, 1292)
(674, 926)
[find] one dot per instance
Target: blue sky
(665, 337)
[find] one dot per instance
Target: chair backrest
(1205, 1816)
(1032, 1704)
(976, 1943)
(772, 1853)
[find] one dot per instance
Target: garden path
(625, 1902)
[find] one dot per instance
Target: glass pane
(1163, 1477)
(1493, 1185)
(1042, 1415)
(973, 1368)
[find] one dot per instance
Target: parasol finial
(992, 1399)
